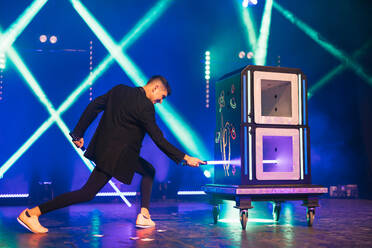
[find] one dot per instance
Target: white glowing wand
(234, 162)
(237, 162)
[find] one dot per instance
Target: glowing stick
(235, 162)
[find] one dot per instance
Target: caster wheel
(216, 213)
(276, 212)
(243, 218)
(310, 216)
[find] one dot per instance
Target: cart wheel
(243, 218)
(310, 216)
(276, 211)
(216, 213)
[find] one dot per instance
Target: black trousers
(95, 183)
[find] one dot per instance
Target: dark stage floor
(338, 223)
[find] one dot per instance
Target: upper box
(269, 95)
(275, 98)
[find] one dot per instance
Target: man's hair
(163, 81)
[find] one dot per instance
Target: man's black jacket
(128, 115)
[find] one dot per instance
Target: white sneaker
(31, 222)
(144, 221)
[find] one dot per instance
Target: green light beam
(101, 34)
(31, 81)
(191, 144)
(337, 70)
(150, 17)
(247, 20)
(263, 39)
(5, 167)
(133, 35)
(20, 24)
(345, 59)
(36, 89)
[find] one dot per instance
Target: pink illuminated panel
(276, 98)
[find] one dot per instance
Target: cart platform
(243, 195)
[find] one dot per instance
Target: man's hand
(79, 143)
(193, 162)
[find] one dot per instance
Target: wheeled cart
(262, 140)
(244, 195)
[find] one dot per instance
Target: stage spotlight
(53, 39)
(43, 38)
(245, 3)
(241, 54)
(249, 55)
(207, 174)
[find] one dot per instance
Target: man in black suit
(128, 114)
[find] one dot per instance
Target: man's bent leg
(29, 217)
(95, 183)
(147, 171)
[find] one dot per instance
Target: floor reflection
(338, 223)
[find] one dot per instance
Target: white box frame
(295, 134)
(293, 79)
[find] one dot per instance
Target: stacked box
(262, 127)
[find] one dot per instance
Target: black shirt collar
(142, 90)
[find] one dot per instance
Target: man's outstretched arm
(149, 123)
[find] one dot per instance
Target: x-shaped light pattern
(347, 61)
(96, 73)
(55, 115)
(337, 70)
(32, 83)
